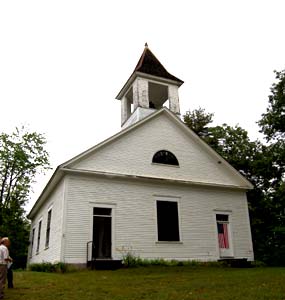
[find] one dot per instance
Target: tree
(254, 161)
(197, 120)
(22, 156)
(232, 143)
(272, 126)
(272, 122)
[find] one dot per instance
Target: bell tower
(149, 87)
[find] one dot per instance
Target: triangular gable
(130, 152)
(212, 164)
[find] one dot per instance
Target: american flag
(223, 235)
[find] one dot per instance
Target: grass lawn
(152, 283)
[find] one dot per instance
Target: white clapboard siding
(132, 154)
(53, 252)
(135, 224)
(212, 187)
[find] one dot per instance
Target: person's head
(5, 241)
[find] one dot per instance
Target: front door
(102, 233)
(224, 235)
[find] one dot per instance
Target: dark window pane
(165, 157)
(224, 218)
(167, 221)
(99, 211)
(48, 228)
(220, 228)
(39, 236)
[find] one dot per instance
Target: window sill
(165, 165)
(169, 242)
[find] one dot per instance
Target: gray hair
(3, 240)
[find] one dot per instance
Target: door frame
(224, 253)
(112, 206)
(102, 236)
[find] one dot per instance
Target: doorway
(102, 233)
(224, 235)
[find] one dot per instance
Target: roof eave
(126, 86)
(136, 74)
(154, 179)
(52, 183)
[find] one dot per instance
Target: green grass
(152, 283)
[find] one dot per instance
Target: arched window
(165, 157)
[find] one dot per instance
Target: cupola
(149, 88)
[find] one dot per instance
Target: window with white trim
(48, 228)
(223, 230)
(167, 221)
(165, 157)
(39, 236)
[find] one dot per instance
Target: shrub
(258, 264)
(132, 261)
(48, 267)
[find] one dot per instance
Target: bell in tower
(149, 87)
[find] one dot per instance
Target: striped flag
(223, 235)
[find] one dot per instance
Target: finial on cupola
(146, 45)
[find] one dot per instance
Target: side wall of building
(134, 220)
(38, 250)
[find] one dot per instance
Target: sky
(62, 63)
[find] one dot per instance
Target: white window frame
(168, 199)
(39, 235)
(47, 245)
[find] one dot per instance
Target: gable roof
(68, 165)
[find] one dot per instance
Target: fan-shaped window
(165, 157)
